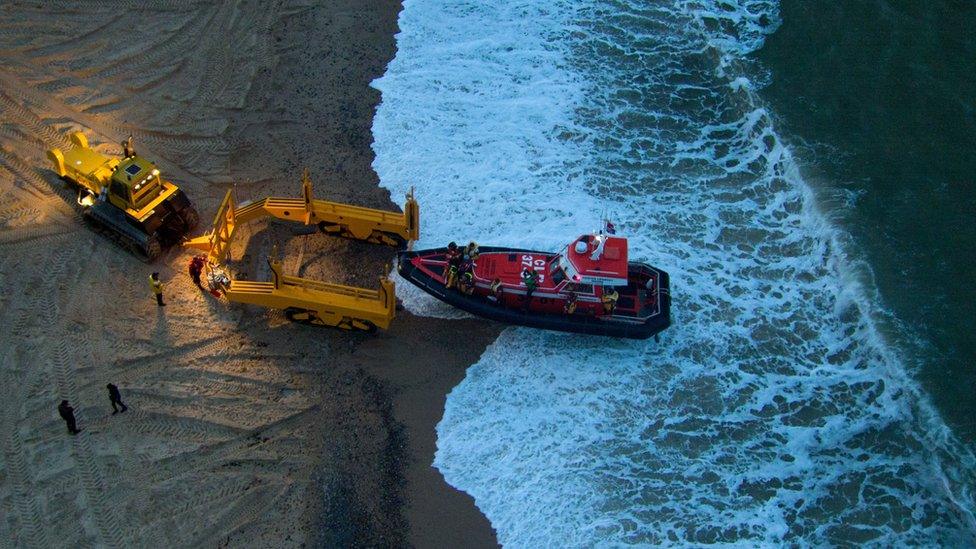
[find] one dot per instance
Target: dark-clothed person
(116, 399)
(67, 413)
(453, 255)
(530, 277)
(196, 269)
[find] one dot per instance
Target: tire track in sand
(61, 349)
(171, 49)
(22, 488)
(25, 506)
(239, 514)
(12, 83)
(213, 454)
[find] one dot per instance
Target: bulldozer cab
(135, 183)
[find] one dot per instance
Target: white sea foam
(774, 410)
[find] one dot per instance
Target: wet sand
(243, 429)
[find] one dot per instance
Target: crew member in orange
(496, 291)
(570, 306)
(609, 299)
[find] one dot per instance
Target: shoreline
(243, 428)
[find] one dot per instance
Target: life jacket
(610, 298)
(467, 283)
(156, 285)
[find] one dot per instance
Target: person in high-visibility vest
(466, 283)
(570, 306)
(496, 291)
(609, 299)
(452, 275)
(157, 288)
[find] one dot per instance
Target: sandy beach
(243, 429)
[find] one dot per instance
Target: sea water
(778, 407)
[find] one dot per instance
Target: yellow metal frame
(302, 299)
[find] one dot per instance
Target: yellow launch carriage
(304, 300)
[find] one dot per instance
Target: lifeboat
(588, 287)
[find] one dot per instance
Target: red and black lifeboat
(589, 287)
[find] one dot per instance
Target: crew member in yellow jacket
(157, 288)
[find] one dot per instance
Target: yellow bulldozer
(127, 198)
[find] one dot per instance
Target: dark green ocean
(879, 99)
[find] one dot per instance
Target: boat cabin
(597, 259)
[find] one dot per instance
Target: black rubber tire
(350, 324)
(370, 327)
(293, 314)
(390, 239)
(330, 228)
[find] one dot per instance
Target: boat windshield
(556, 272)
(566, 267)
(580, 288)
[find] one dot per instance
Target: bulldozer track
(27, 117)
(94, 488)
(40, 191)
(216, 66)
(121, 240)
(228, 488)
(242, 512)
(13, 214)
(202, 377)
(181, 427)
(17, 134)
(212, 454)
(63, 348)
(31, 234)
(179, 143)
(169, 48)
(187, 353)
(16, 166)
(116, 132)
(111, 5)
(25, 506)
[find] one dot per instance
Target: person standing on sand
(157, 288)
(196, 269)
(115, 397)
(67, 413)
